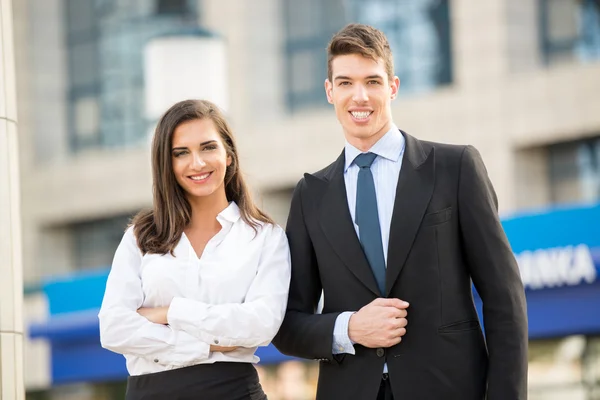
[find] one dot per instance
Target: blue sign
(556, 249)
(558, 253)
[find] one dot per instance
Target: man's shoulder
(315, 180)
(324, 173)
(447, 149)
(445, 153)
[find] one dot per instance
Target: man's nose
(360, 94)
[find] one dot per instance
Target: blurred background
(518, 79)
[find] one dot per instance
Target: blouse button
(156, 360)
(216, 341)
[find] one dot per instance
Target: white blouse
(235, 294)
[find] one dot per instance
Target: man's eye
(373, 82)
(345, 83)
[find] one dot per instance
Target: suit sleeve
(496, 277)
(303, 332)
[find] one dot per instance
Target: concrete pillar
(11, 278)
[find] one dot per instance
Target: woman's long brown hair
(159, 229)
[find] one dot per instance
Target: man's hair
(364, 40)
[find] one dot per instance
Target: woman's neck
(206, 209)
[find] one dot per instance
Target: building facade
(518, 79)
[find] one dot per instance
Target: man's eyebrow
(347, 78)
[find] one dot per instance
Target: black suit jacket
(445, 233)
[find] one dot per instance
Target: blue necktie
(367, 218)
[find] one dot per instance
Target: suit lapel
(338, 227)
(413, 193)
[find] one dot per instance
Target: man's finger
(400, 304)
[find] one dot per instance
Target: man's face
(361, 94)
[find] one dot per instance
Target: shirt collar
(230, 214)
(390, 146)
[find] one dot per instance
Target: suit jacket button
(380, 352)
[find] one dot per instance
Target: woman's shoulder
(129, 232)
(257, 228)
(129, 236)
(271, 231)
(276, 229)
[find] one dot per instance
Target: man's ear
(395, 86)
(328, 90)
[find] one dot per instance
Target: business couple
(395, 230)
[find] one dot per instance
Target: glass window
(575, 171)
(87, 118)
(171, 6)
(570, 30)
(83, 63)
(80, 16)
(418, 32)
(95, 242)
(105, 40)
(309, 27)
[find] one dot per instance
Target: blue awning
(66, 327)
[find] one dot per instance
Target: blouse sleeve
(124, 331)
(253, 322)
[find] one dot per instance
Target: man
(393, 231)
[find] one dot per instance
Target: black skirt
(218, 381)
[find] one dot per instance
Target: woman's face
(199, 158)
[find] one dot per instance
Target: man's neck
(365, 144)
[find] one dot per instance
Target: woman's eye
(179, 153)
(211, 147)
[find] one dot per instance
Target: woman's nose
(198, 161)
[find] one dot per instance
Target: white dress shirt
(235, 294)
(386, 171)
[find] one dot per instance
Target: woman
(202, 279)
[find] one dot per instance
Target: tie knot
(365, 160)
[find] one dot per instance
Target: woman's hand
(158, 315)
(222, 349)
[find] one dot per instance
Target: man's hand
(158, 315)
(381, 323)
(222, 349)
